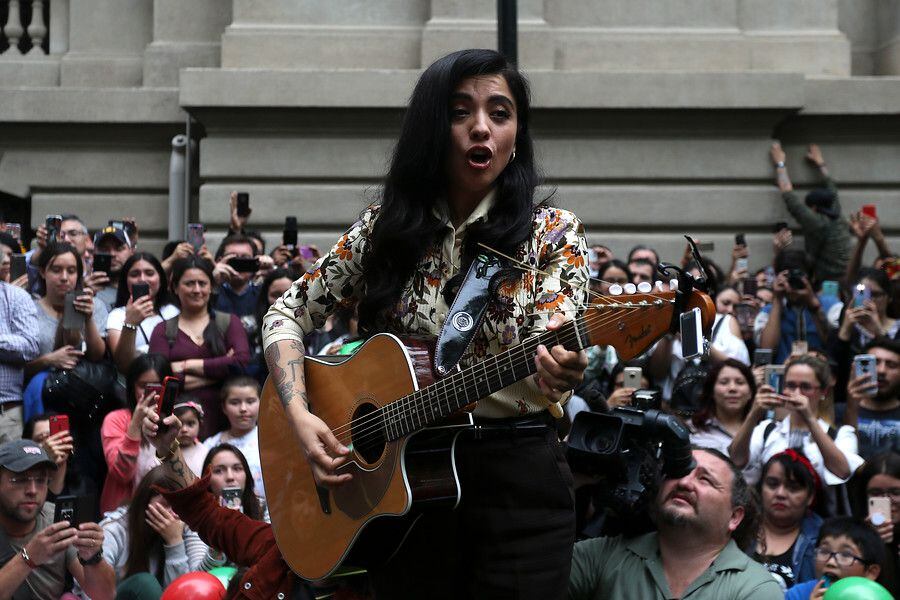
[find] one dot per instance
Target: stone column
(459, 24)
(106, 43)
(349, 34)
(887, 54)
(185, 34)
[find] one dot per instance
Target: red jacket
(246, 541)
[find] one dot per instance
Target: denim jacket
(803, 561)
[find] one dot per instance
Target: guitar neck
(449, 395)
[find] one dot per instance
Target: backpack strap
(223, 322)
(832, 433)
(768, 431)
(172, 330)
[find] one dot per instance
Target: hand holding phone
(195, 236)
(72, 318)
(773, 376)
(102, 263)
(139, 290)
(864, 365)
(243, 204)
(171, 387)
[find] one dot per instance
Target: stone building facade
(652, 117)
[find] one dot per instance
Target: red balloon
(198, 585)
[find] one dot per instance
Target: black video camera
(632, 450)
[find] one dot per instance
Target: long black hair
(249, 500)
(123, 293)
(406, 226)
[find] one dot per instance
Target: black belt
(5, 406)
(534, 424)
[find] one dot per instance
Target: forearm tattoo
(287, 386)
(179, 475)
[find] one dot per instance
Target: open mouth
(479, 157)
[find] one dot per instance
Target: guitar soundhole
(368, 433)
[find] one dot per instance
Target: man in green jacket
(825, 229)
(692, 556)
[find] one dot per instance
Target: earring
(513, 157)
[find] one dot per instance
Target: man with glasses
(35, 552)
(847, 548)
(875, 409)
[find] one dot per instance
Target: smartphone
(632, 377)
(72, 319)
(66, 510)
(15, 230)
(799, 347)
(750, 286)
(773, 375)
(741, 264)
(830, 288)
(195, 236)
(780, 225)
(17, 266)
(289, 237)
(243, 204)
(231, 498)
(865, 365)
(53, 223)
(58, 423)
(139, 290)
(102, 263)
(152, 388)
(869, 210)
(706, 246)
(691, 334)
(244, 265)
(762, 357)
(740, 240)
(165, 403)
(879, 510)
(860, 296)
(307, 252)
(745, 315)
(117, 224)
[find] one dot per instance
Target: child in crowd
(240, 404)
(190, 413)
(847, 548)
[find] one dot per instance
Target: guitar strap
(466, 313)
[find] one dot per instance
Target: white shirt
(116, 320)
(779, 440)
(712, 436)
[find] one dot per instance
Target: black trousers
(511, 537)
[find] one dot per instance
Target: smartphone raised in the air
(632, 377)
(289, 235)
(691, 334)
(195, 236)
(243, 204)
(773, 376)
(866, 365)
(762, 357)
(18, 266)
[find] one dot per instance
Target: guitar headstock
(632, 322)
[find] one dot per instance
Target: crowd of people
(794, 412)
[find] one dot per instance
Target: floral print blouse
(556, 250)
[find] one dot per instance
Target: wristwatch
(779, 164)
(27, 559)
(92, 560)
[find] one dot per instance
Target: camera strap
(466, 313)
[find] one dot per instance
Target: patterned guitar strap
(466, 313)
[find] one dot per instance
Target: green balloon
(223, 574)
(857, 588)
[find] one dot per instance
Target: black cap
(20, 455)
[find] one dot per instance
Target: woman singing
(462, 172)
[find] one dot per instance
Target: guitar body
(316, 527)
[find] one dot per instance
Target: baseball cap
(110, 231)
(20, 455)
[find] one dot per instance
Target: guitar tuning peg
(673, 285)
(660, 286)
(630, 288)
(644, 287)
(615, 289)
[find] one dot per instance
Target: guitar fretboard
(447, 396)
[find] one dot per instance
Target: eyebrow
(493, 98)
(705, 471)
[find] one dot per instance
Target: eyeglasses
(842, 558)
(71, 233)
(803, 386)
(877, 492)
(22, 480)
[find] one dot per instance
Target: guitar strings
(374, 426)
(394, 409)
(376, 433)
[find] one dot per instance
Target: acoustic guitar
(397, 417)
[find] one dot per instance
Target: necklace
(194, 328)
